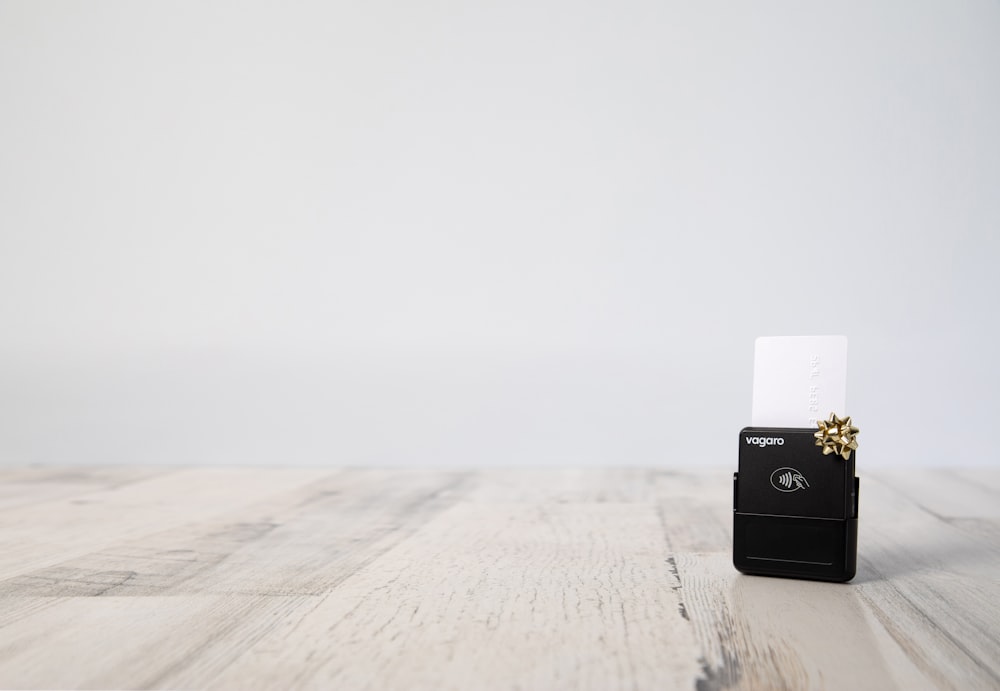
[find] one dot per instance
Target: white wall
(490, 232)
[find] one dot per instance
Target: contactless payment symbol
(788, 480)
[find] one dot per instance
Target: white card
(798, 380)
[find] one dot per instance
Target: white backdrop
(472, 232)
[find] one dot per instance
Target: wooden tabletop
(245, 578)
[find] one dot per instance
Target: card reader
(795, 505)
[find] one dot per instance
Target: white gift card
(798, 380)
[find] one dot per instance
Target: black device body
(795, 510)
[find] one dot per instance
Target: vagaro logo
(788, 480)
(765, 441)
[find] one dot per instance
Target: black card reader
(795, 509)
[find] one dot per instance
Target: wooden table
(509, 578)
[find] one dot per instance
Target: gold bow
(837, 435)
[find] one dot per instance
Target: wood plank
(933, 585)
(562, 485)
(125, 642)
(695, 509)
(987, 476)
(38, 484)
(47, 533)
(263, 559)
(494, 596)
(757, 632)
(97, 476)
(301, 541)
(945, 493)
(530, 578)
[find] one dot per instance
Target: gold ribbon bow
(837, 435)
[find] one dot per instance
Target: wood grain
(500, 578)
